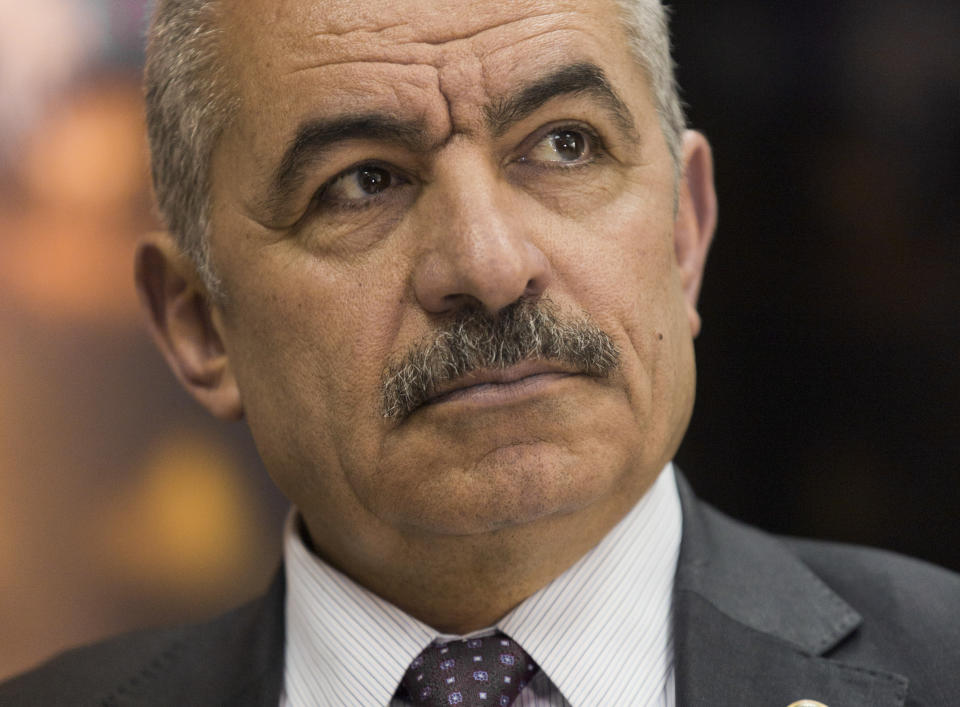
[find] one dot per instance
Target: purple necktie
(478, 672)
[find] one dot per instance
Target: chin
(510, 486)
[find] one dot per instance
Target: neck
(459, 584)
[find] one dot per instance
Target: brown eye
(373, 180)
(358, 185)
(568, 144)
(563, 146)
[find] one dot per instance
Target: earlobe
(183, 326)
(696, 219)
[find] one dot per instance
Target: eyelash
(364, 203)
(595, 143)
(596, 146)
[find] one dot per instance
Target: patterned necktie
(478, 672)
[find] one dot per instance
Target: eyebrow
(583, 77)
(314, 138)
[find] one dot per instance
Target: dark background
(828, 396)
(829, 387)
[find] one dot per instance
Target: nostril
(460, 300)
(535, 286)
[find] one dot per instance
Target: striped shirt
(600, 632)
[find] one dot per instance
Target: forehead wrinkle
(478, 34)
(364, 31)
(558, 48)
(463, 84)
(420, 34)
(313, 66)
(391, 44)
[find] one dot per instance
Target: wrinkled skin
(321, 293)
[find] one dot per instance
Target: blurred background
(829, 390)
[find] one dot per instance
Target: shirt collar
(345, 645)
(602, 630)
(606, 617)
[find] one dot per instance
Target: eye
(564, 145)
(358, 186)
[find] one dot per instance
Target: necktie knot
(476, 672)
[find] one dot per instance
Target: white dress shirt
(601, 632)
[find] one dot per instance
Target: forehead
(441, 59)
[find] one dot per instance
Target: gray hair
(648, 32)
(190, 100)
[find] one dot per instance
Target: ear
(184, 325)
(696, 219)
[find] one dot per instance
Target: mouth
(501, 385)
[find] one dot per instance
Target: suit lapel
(753, 625)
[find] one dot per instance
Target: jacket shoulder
(95, 674)
(887, 585)
(910, 610)
(158, 666)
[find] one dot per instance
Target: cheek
(618, 258)
(621, 271)
(625, 277)
(307, 358)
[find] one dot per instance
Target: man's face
(393, 166)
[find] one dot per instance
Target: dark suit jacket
(758, 621)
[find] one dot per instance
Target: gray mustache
(529, 329)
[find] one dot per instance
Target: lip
(501, 385)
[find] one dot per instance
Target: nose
(477, 241)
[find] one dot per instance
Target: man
(444, 259)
